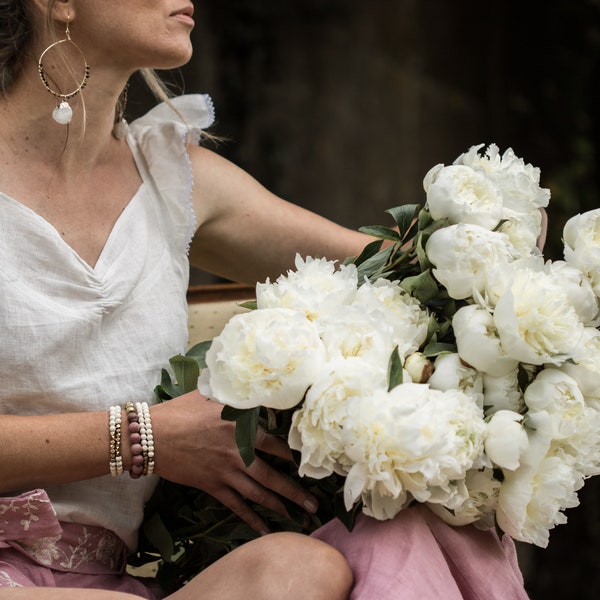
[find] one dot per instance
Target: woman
(96, 222)
(87, 183)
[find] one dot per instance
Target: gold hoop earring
(63, 113)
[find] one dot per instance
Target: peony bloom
(463, 256)
(581, 236)
(585, 368)
(478, 342)
(480, 504)
(352, 332)
(519, 182)
(532, 497)
(462, 195)
(387, 302)
(451, 373)
(506, 439)
(535, 319)
(253, 363)
(316, 429)
(557, 409)
(522, 230)
(409, 442)
(316, 288)
(502, 392)
(578, 289)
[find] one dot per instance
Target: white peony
(479, 506)
(478, 342)
(463, 256)
(501, 276)
(506, 439)
(581, 235)
(387, 302)
(522, 230)
(317, 426)
(519, 182)
(532, 497)
(502, 392)
(411, 441)
(535, 319)
(352, 332)
(557, 409)
(578, 289)
(316, 288)
(559, 396)
(462, 195)
(451, 373)
(264, 357)
(585, 368)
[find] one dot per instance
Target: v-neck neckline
(103, 261)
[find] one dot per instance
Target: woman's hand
(195, 447)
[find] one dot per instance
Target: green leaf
(250, 304)
(167, 389)
(374, 266)
(246, 425)
(379, 231)
(423, 286)
(436, 348)
(394, 370)
(186, 371)
(405, 216)
(198, 352)
(158, 535)
(371, 249)
(424, 219)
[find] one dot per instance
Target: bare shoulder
(221, 188)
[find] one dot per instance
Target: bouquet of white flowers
(449, 364)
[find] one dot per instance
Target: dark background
(342, 106)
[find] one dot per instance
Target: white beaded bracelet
(115, 462)
(147, 440)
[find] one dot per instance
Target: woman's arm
(193, 446)
(36, 451)
(246, 233)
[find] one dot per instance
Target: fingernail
(311, 505)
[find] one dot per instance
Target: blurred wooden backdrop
(342, 106)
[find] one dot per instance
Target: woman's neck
(28, 129)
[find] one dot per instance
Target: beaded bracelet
(135, 439)
(115, 462)
(147, 439)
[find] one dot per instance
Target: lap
(416, 556)
(19, 574)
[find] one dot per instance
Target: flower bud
(419, 367)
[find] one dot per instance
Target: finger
(254, 491)
(234, 502)
(273, 444)
(271, 479)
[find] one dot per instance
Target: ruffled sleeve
(159, 142)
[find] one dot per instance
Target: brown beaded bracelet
(135, 442)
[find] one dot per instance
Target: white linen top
(77, 338)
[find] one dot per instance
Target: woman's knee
(303, 561)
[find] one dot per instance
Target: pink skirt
(417, 556)
(36, 550)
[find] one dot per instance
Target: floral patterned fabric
(29, 524)
(37, 550)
